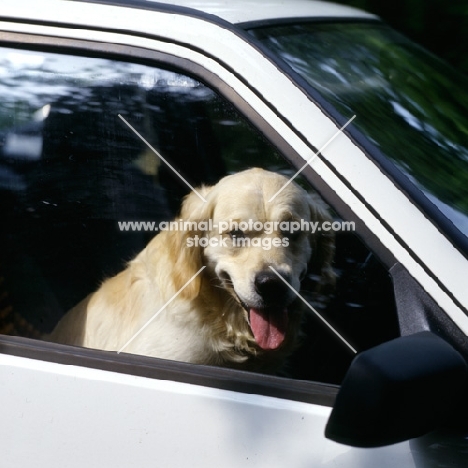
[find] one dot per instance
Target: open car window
(82, 191)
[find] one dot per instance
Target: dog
(238, 311)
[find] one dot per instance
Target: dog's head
(256, 250)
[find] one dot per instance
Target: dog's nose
(270, 287)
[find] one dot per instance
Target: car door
(74, 171)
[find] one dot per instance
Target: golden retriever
(236, 312)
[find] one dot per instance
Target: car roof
(246, 11)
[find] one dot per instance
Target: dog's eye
(236, 234)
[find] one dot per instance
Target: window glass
(77, 160)
(410, 104)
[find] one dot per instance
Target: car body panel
(111, 419)
(247, 11)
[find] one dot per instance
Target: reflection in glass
(412, 106)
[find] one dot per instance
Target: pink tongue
(268, 326)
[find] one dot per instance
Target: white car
(378, 128)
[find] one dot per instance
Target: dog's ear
(323, 242)
(196, 206)
(184, 245)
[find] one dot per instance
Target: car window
(400, 93)
(95, 153)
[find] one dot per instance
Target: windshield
(410, 105)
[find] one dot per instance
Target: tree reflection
(411, 105)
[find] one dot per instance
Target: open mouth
(268, 325)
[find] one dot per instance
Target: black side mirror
(399, 390)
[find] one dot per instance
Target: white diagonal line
(160, 157)
(314, 311)
(161, 309)
(311, 158)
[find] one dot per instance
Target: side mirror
(399, 390)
